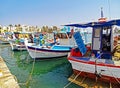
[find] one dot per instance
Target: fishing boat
(99, 60)
(17, 40)
(15, 46)
(55, 51)
(45, 49)
(4, 38)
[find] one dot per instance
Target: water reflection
(45, 74)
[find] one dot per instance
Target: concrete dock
(7, 80)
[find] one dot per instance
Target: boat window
(106, 36)
(106, 31)
(97, 32)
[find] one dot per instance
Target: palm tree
(19, 27)
(37, 29)
(43, 29)
(55, 28)
(16, 28)
(0, 29)
(50, 30)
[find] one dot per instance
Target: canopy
(96, 24)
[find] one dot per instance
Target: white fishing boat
(101, 59)
(16, 46)
(4, 38)
(47, 50)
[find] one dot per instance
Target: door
(96, 38)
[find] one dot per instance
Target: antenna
(102, 19)
(102, 12)
(109, 10)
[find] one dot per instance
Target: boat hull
(105, 72)
(4, 42)
(17, 46)
(45, 53)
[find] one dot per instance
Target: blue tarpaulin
(80, 43)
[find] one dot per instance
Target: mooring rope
(72, 80)
(30, 75)
(80, 72)
(27, 82)
(31, 72)
(75, 77)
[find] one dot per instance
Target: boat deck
(7, 80)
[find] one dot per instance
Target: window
(97, 32)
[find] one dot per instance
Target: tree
(50, 30)
(19, 28)
(0, 29)
(55, 28)
(44, 29)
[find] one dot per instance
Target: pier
(7, 80)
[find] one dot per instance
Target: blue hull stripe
(48, 50)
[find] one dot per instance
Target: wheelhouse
(102, 36)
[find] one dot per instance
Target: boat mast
(102, 12)
(102, 19)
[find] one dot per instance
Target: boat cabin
(102, 37)
(102, 41)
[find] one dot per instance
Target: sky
(56, 12)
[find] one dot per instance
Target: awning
(96, 24)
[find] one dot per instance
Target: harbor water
(30, 73)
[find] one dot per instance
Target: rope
(31, 72)
(79, 73)
(30, 75)
(72, 80)
(27, 82)
(75, 77)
